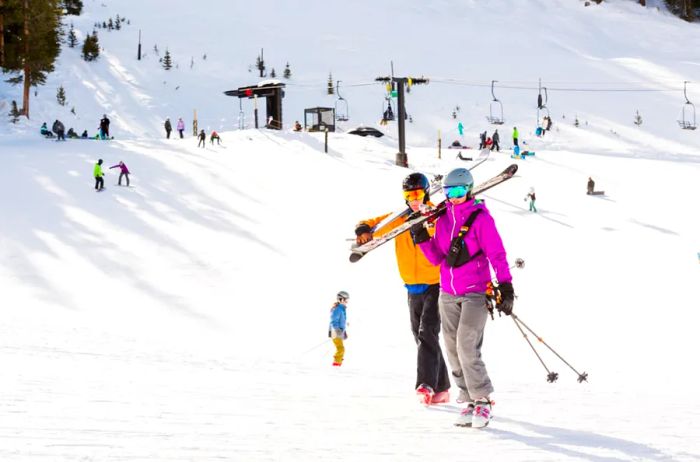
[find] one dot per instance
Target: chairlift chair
(495, 109)
(687, 119)
(342, 114)
(387, 111)
(542, 106)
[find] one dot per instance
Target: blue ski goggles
(455, 192)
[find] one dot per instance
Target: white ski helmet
(342, 296)
(459, 177)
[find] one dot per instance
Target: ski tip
(355, 256)
(512, 168)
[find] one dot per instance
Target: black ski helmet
(416, 181)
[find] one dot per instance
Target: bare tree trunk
(2, 34)
(27, 70)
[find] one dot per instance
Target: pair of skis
(429, 214)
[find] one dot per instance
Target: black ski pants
(425, 324)
(496, 146)
(99, 182)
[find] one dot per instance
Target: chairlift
(342, 113)
(542, 106)
(387, 111)
(687, 120)
(495, 109)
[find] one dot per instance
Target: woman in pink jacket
(123, 172)
(180, 126)
(466, 241)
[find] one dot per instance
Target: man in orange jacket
(421, 279)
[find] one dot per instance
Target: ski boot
(425, 394)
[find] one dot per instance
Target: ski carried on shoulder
(429, 214)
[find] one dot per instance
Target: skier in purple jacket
(123, 172)
(464, 251)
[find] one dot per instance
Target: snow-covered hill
(185, 318)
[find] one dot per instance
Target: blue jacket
(338, 317)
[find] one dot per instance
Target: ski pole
(551, 376)
(582, 377)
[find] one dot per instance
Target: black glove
(419, 233)
(505, 305)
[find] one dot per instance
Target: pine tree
(260, 64)
(331, 89)
(104, 25)
(167, 61)
(287, 72)
(637, 119)
(61, 96)
(118, 23)
(110, 24)
(91, 47)
(73, 7)
(14, 112)
(32, 36)
(72, 39)
(273, 74)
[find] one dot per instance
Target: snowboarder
(104, 127)
(202, 139)
(215, 136)
(123, 172)
(421, 279)
(496, 140)
(464, 255)
(44, 130)
(590, 186)
(337, 328)
(488, 144)
(531, 195)
(297, 126)
(515, 136)
(168, 128)
(180, 127)
(71, 133)
(460, 128)
(97, 173)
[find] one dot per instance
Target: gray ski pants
(463, 321)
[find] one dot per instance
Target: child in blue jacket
(337, 326)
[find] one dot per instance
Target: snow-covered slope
(185, 318)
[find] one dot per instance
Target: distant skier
(44, 130)
(590, 187)
(496, 140)
(515, 136)
(71, 133)
(97, 173)
(202, 139)
(421, 279)
(460, 128)
(84, 135)
(180, 127)
(482, 140)
(531, 195)
(215, 136)
(59, 129)
(297, 126)
(465, 245)
(123, 172)
(168, 128)
(104, 127)
(337, 328)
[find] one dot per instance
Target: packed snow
(185, 317)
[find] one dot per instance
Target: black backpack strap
(467, 226)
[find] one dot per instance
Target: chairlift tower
(401, 82)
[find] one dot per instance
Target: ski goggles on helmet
(414, 195)
(455, 192)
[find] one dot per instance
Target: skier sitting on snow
(71, 133)
(44, 130)
(421, 279)
(337, 328)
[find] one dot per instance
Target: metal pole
(439, 145)
(401, 156)
(326, 142)
(139, 52)
(255, 110)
